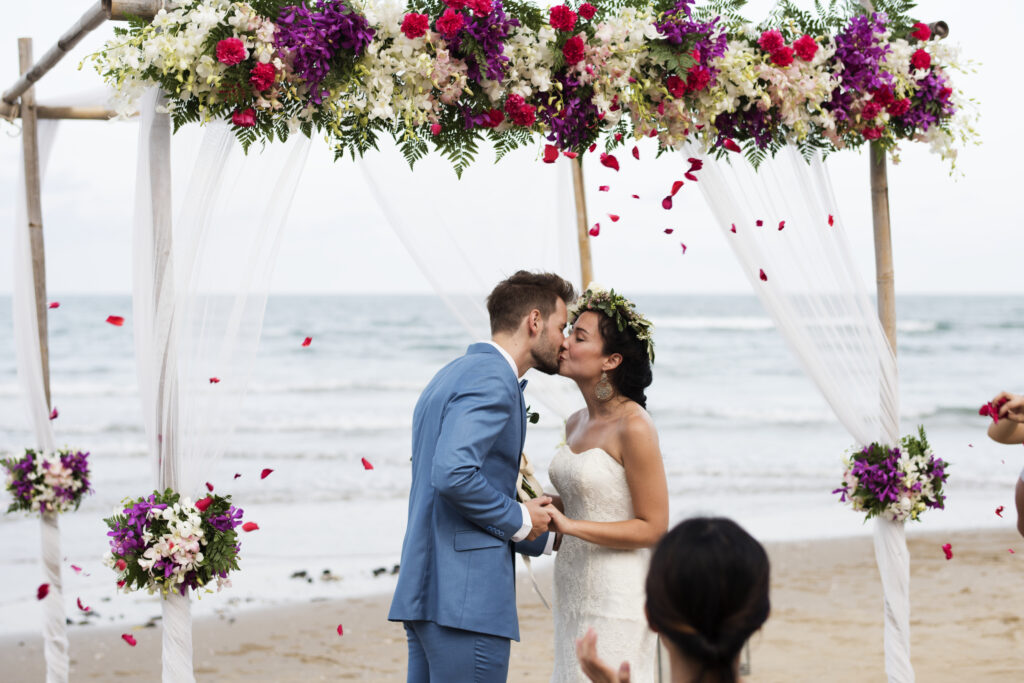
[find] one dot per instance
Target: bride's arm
(645, 475)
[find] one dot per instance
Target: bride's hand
(559, 522)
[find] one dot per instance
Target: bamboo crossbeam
(582, 236)
(9, 111)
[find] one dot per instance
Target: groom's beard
(545, 359)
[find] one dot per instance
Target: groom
(456, 589)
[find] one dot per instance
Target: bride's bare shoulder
(636, 425)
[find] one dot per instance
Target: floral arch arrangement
(451, 74)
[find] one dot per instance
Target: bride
(613, 502)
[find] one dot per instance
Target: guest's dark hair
(707, 593)
(513, 298)
(633, 374)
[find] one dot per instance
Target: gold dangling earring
(603, 391)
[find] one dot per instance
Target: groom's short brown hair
(514, 297)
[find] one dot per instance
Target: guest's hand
(1012, 408)
(592, 665)
(540, 515)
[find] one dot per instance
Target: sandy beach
(826, 625)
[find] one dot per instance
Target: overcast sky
(961, 234)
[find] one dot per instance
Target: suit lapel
(522, 416)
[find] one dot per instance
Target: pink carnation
(450, 23)
(920, 59)
(871, 110)
(573, 50)
(676, 86)
(519, 112)
(872, 133)
(805, 47)
(783, 56)
(231, 51)
(480, 8)
(562, 18)
(244, 118)
(899, 107)
(883, 95)
(771, 41)
(697, 78)
(921, 32)
(262, 76)
(587, 11)
(415, 25)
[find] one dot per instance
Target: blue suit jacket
(458, 567)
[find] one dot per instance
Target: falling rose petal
(730, 145)
(366, 464)
(782, 225)
(54, 304)
(970, 445)
(209, 486)
(831, 221)
(603, 188)
(1011, 551)
(121, 565)
(675, 187)
(666, 203)
(695, 164)
(595, 230)
(550, 154)
(76, 568)
(307, 341)
(341, 631)
(636, 152)
(265, 473)
(948, 549)
(237, 475)
(120, 584)
(635, 196)
(669, 231)
(614, 217)
(250, 526)
(204, 503)
(689, 176)
(215, 380)
(42, 591)
(570, 155)
(592, 147)
(759, 222)
(609, 161)
(653, 133)
(115, 320)
(764, 278)
(128, 638)
(54, 414)
(733, 228)
(82, 607)
(683, 246)
(999, 511)
(618, 137)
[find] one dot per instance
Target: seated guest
(1010, 430)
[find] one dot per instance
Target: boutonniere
(532, 417)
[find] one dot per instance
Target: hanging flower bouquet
(47, 482)
(454, 72)
(892, 482)
(167, 543)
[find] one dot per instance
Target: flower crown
(618, 308)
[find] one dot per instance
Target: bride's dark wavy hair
(634, 372)
(707, 593)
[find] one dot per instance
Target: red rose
(562, 18)
(573, 50)
(244, 118)
(783, 56)
(262, 76)
(676, 86)
(899, 107)
(415, 25)
(587, 11)
(450, 23)
(550, 154)
(494, 118)
(883, 95)
(945, 93)
(922, 33)
(435, 129)
(872, 133)
(697, 78)
(231, 51)
(520, 113)
(771, 41)
(806, 47)
(871, 110)
(480, 7)
(920, 59)
(455, 4)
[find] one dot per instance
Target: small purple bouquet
(47, 482)
(163, 542)
(895, 483)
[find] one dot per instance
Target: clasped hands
(545, 516)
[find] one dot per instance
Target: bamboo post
(583, 237)
(13, 111)
(34, 210)
(883, 242)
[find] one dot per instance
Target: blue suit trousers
(439, 654)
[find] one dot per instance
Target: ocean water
(743, 433)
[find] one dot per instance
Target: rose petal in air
(341, 631)
(666, 203)
(76, 568)
(618, 137)
(570, 155)
(689, 176)
(204, 503)
(636, 152)
(603, 188)
(759, 222)
(550, 154)
(54, 304)
(237, 475)
(595, 230)
(366, 464)
(82, 607)
(209, 486)
(653, 133)
(831, 221)
(215, 380)
(635, 196)
(42, 591)
(128, 638)
(675, 187)
(733, 228)
(999, 511)
(730, 145)
(683, 246)
(592, 147)
(54, 414)
(250, 526)
(614, 217)
(764, 278)
(782, 224)
(669, 231)
(307, 341)
(115, 320)
(609, 161)
(265, 473)
(948, 549)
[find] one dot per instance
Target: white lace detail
(596, 587)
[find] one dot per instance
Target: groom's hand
(539, 517)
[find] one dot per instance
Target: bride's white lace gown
(597, 587)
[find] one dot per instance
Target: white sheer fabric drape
(821, 306)
(30, 376)
(199, 295)
(442, 222)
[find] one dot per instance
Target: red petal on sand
(209, 486)
(636, 152)
(42, 591)
(683, 246)
(128, 638)
(54, 414)
(366, 464)
(215, 380)
(265, 473)
(675, 187)
(82, 607)
(764, 278)
(782, 224)
(595, 231)
(115, 320)
(341, 631)
(307, 341)
(948, 549)
(54, 304)
(614, 217)
(669, 231)
(204, 503)
(250, 526)
(831, 221)
(603, 188)
(666, 203)
(999, 511)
